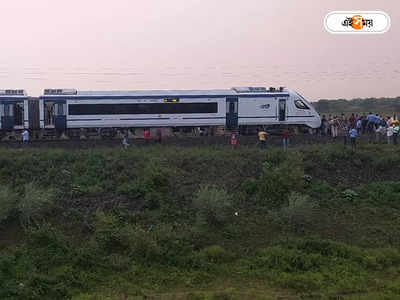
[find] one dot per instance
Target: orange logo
(357, 22)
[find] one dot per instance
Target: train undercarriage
(134, 133)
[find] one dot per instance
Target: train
(69, 112)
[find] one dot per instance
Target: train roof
(12, 95)
(165, 93)
(156, 93)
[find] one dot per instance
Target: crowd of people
(373, 125)
(376, 127)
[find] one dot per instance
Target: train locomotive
(70, 112)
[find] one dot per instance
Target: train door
(232, 118)
(7, 120)
(60, 116)
(48, 111)
(18, 112)
(33, 114)
(282, 110)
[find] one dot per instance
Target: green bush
(310, 265)
(133, 190)
(323, 194)
(104, 221)
(37, 269)
(208, 258)
(8, 203)
(276, 183)
(384, 193)
(250, 187)
(107, 235)
(213, 206)
(387, 161)
(47, 246)
(349, 195)
(35, 204)
(299, 214)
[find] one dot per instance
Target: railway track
(297, 140)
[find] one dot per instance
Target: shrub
(387, 193)
(299, 214)
(142, 244)
(47, 246)
(8, 203)
(216, 254)
(213, 205)
(106, 233)
(349, 195)
(323, 194)
(386, 162)
(34, 205)
(209, 256)
(133, 190)
(276, 183)
(151, 187)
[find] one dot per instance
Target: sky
(196, 44)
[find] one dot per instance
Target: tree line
(359, 105)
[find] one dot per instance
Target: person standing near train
(125, 143)
(262, 138)
(335, 127)
(25, 137)
(146, 135)
(344, 130)
(389, 134)
(324, 126)
(359, 125)
(353, 136)
(159, 135)
(285, 138)
(233, 140)
(396, 131)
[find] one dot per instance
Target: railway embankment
(200, 222)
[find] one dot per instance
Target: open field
(200, 222)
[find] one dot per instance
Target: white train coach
(14, 113)
(245, 106)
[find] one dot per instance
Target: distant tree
(358, 105)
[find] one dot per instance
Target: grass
(200, 223)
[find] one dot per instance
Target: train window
(300, 104)
(231, 107)
(8, 110)
(136, 109)
(19, 114)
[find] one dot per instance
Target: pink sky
(193, 44)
